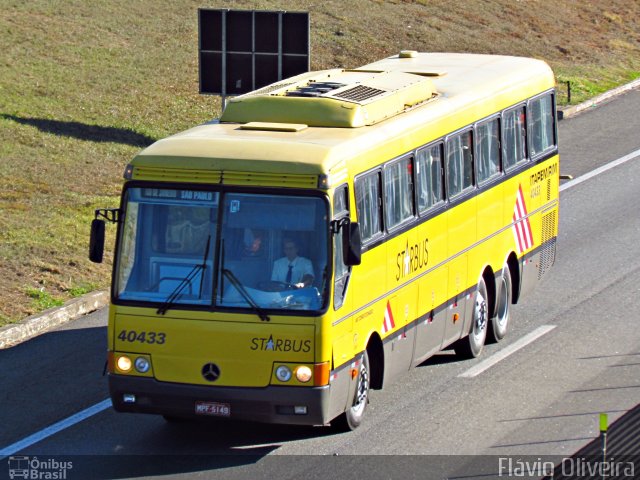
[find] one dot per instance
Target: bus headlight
(142, 365)
(283, 373)
(124, 363)
(303, 373)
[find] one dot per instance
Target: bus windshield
(273, 252)
(250, 251)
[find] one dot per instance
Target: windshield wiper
(177, 292)
(236, 283)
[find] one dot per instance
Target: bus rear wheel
(352, 417)
(471, 346)
(500, 322)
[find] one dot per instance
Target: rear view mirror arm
(110, 214)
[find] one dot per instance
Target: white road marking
(55, 428)
(505, 352)
(599, 170)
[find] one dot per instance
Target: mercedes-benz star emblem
(211, 372)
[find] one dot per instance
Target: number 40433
(142, 337)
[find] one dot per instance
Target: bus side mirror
(96, 242)
(352, 245)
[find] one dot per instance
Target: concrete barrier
(41, 322)
(573, 110)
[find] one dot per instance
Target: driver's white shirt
(301, 267)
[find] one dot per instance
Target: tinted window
(488, 138)
(459, 163)
(541, 127)
(515, 137)
(341, 271)
(429, 177)
(398, 192)
(368, 205)
(340, 201)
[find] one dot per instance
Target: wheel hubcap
(481, 313)
(362, 390)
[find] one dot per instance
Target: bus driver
(292, 269)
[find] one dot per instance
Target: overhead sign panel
(243, 50)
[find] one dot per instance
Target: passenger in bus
(253, 242)
(292, 269)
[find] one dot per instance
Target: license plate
(213, 408)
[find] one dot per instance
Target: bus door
(342, 335)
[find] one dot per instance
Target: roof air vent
(314, 89)
(359, 93)
(271, 88)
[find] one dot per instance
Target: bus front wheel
(352, 417)
(471, 346)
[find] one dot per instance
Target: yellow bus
(329, 232)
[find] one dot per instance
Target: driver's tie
(288, 278)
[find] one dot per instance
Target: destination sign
(184, 195)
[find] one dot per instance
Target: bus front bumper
(271, 404)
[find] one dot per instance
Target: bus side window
(515, 137)
(541, 124)
(398, 192)
(368, 205)
(429, 177)
(341, 271)
(459, 163)
(488, 138)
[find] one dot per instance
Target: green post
(604, 426)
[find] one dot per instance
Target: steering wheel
(275, 286)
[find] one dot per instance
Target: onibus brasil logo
(34, 468)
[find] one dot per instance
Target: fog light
(142, 365)
(283, 373)
(303, 373)
(129, 398)
(300, 409)
(124, 364)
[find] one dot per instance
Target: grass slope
(85, 85)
